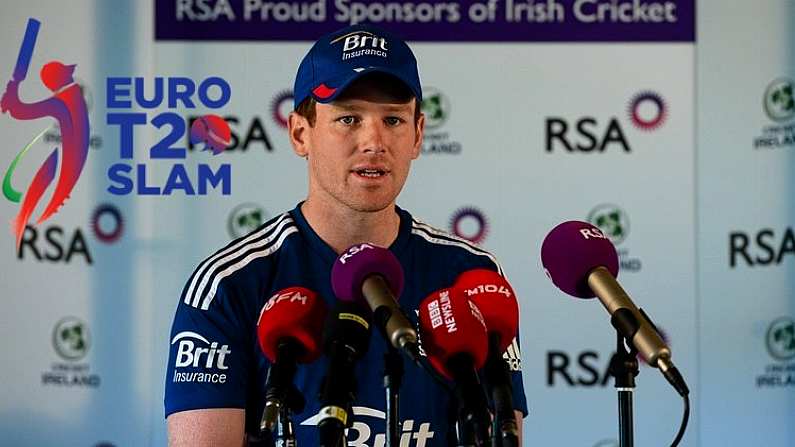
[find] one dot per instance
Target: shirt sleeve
(513, 358)
(209, 358)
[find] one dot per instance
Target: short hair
(393, 86)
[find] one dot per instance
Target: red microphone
(289, 331)
(454, 337)
(496, 300)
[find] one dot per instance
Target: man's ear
(419, 132)
(297, 128)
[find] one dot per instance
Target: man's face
(360, 148)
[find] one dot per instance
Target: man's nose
(372, 137)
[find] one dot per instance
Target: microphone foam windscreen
(571, 251)
(348, 323)
(294, 312)
(360, 261)
(496, 300)
(450, 324)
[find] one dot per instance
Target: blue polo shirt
(215, 360)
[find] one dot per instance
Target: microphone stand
(393, 377)
(459, 428)
(624, 368)
(464, 432)
(285, 431)
(276, 425)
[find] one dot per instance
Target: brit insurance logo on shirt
(199, 360)
(71, 341)
(779, 107)
(361, 433)
(647, 111)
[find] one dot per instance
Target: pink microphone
(371, 274)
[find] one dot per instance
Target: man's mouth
(371, 173)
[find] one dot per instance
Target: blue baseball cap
(339, 58)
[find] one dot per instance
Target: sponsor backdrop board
(538, 112)
(745, 227)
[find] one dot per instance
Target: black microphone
(346, 338)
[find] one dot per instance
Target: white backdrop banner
(537, 113)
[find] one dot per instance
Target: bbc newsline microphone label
(452, 21)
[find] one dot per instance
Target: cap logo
(322, 91)
(362, 43)
(339, 58)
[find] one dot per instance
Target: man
(358, 125)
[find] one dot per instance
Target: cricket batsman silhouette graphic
(68, 107)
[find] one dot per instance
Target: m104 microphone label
(488, 288)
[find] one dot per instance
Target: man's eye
(347, 120)
(393, 121)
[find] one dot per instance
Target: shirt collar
(327, 253)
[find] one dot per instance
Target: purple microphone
(365, 272)
(581, 261)
(571, 251)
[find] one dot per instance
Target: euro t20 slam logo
(174, 93)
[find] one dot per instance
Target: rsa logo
(586, 135)
(646, 111)
(57, 244)
(53, 244)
